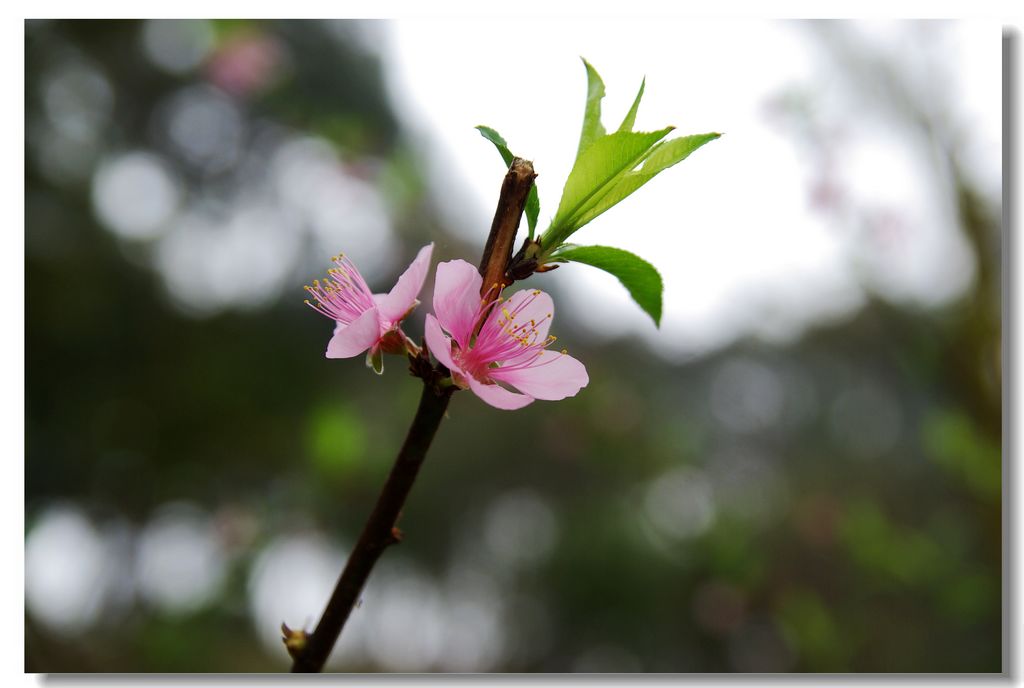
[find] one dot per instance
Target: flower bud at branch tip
(294, 640)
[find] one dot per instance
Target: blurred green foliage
(337, 441)
(957, 445)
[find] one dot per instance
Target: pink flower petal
(356, 337)
(554, 376)
(498, 397)
(396, 303)
(457, 298)
(439, 343)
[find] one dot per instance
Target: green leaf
(592, 127)
(498, 141)
(660, 158)
(627, 123)
(375, 360)
(532, 209)
(636, 274)
(595, 173)
(532, 200)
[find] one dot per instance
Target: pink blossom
(510, 347)
(367, 321)
(246, 63)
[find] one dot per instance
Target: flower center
(343, 295)
(506, 340)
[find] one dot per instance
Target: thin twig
(379, 533)
(310, 650)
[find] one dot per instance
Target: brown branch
(498, 249)
(310, 650)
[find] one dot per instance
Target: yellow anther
(536, 292)
(565, 351)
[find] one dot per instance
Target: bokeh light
(177, 46)
(180, 562)
(290, 579)
(69, 570)
(135, 195)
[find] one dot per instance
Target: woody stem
(498, 249)
(310, 652)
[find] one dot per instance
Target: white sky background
(731, 228)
